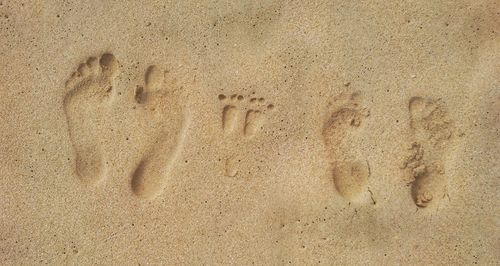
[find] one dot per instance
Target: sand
(249, 132)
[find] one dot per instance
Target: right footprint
(349, 172)
(86, 105)
(431, 130)
(160, 111)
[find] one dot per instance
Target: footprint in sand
(86, 106)
(160, 113)
(349, 172)
(242, 117)
(234, 110)
(431, 132)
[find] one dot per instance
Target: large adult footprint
(86, 106)
(163, 121)
(350, 173)
(431, 130)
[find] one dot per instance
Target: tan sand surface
(271, 132)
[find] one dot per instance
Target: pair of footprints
(430, 129)
(244, 116)
(155, 111)
(254, 116)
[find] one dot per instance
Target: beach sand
(249, 132)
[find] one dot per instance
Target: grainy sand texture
(205, 132)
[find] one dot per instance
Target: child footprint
(232, 113)
(431, 129)
(254, 118)
(241, 120)
(160, 110)
(86, 106)
(349, 173)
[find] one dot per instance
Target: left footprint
(86, 105)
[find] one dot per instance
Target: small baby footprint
(255, 117)
(86, 107)
(243, 117)
(231, 114)
(236, 109)
(229, 118)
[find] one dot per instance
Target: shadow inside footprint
(139, 187)
(350, 178)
